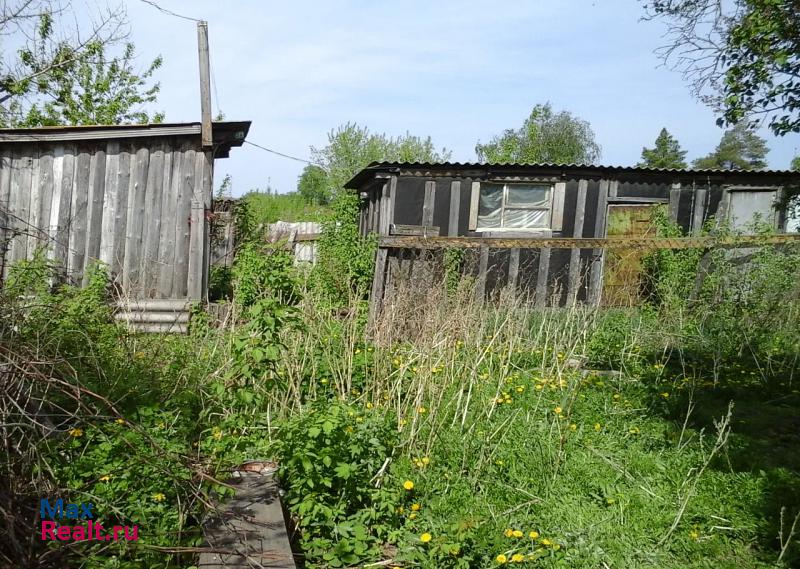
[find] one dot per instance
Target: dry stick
(723, 431)
(785, 544)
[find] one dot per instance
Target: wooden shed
(135, 197)
(502, 205)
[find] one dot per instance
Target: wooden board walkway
(249, 530)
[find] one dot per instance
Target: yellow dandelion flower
(426, 460)
(501, 559)
(105, 478)
(422, 410)
(694, 534)
(546, 542)
(597, 427)
(323, 381)
(216, 433)
(616, 396)
(412, 516)
(369, 405)
(408, 485)
(415, 507)
(158, 497)
(120, 421)
(425, 537)
(517, 558)
(533, 534)
(520, 388)
(516, 533)
(556, 546)
(573, 427)
(634, 430)
(509, 532)
(558, 410)
(665, 395)
(76, 432)
(358, 350)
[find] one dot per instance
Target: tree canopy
(739, 149)
(795, 165)
(546, 136)
(312, 185)
(351, 147)
(666, 153)
(740, 56)
(56, 78)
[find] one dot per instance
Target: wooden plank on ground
(249, 529)
(574, 276)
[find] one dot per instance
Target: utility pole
(205, 86)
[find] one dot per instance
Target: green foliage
(261, 272)
(753, 44)
(313, 185)
(545, 137)
(666, 153)
(332, 453)
(795, 165)
(88, 88)
(739, 149)
(670, 274)
(267, 208)
(345, 259)
(351, 148)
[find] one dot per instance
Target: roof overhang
(484, 171)
(226, 134)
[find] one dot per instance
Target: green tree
(741, 56)
(313, 185)
(545, 137)
(795, 165)
(666, 153)
(56, 79)
(739, 149)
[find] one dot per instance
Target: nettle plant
(333, 458)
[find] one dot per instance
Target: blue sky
(457, 71)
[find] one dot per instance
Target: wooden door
(622, 271)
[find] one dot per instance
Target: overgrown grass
(455, 434)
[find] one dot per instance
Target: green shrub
(331, 456)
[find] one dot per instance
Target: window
(746, 206)
(515, 206)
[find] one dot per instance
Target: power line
(170, 12)
(285, 155)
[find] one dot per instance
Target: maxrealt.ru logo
(80, 525)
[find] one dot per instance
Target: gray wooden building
(135, 197)
(493, 202)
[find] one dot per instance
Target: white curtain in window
(491, 206)
(527, 218)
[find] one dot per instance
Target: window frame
(544, 229)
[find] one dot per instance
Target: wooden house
(135, 197)
(497, 203)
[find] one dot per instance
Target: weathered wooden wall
(135, 204)
(301, 237)
(425, 205)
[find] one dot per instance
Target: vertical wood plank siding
(135, 205)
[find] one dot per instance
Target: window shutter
(557, 213)
(473, 205)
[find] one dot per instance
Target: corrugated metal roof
(366, 173)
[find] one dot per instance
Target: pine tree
(666, 153)
(739, 149)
